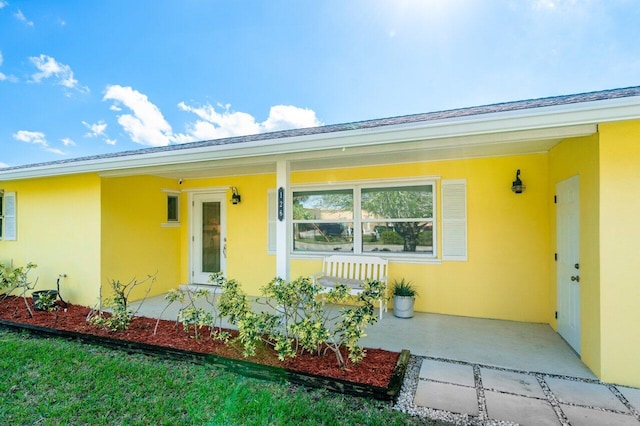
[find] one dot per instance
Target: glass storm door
(208, 237)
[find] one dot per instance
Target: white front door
(208, 236)
(568, 264)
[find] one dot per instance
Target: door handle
(575, 278)
(224, 248)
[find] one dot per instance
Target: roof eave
(593, 112)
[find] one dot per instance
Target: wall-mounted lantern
(235, 197)
(518, 187)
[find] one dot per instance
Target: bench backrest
(356, 267)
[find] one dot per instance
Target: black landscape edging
(244, 368)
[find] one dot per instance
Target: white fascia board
(557, 116)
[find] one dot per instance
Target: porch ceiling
(438, 149)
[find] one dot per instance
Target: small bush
(298, 318)
(121, 316)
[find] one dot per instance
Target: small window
(172, 208)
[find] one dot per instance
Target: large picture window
(395, 219)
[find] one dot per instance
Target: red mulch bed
(375, 369)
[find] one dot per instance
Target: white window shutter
(272, 208)
(454, 219)
(10, 225)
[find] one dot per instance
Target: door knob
(575, 278)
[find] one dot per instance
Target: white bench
(353, 271)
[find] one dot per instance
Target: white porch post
(282, 226)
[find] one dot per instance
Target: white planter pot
(403, 306)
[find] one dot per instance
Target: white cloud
(3, 76)
(10, 78)
(3, 4)
(283, 117)
(49, 68)
(214, 124)
(68, 142)
(96, 129)
(3, 165)
(20, 16)
(147, 125)
(36, 138)
(27, 136)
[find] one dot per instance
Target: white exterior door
(568, 264)
(208, 236)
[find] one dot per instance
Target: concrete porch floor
(482, 371)
(506, 344)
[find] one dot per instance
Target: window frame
(171, 194)
(356, 187)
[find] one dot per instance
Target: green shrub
(391, 237)
(12, 279)
(299, 319)
(192, 316)
(46, 301)
(121, 316)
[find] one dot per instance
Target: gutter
(548, 117)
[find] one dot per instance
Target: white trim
(171, 191)
(212, 189)
(221, 197)
(557, 116)
(284, 233)
(377, 183)
(171, 224)
(272, 220)
(407, 258)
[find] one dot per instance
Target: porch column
(282, 227)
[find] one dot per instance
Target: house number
(281, 204)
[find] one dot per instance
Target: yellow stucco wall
(507, 272)
(58, 229)
(134, 242)
(619, 253)
(579, 157)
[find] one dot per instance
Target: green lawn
(54, 381)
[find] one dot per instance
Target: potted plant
(404, 296)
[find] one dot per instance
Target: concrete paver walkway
(473, 394)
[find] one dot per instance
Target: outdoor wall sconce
(235, 197)
(518, 187)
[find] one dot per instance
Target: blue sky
(81, 77)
